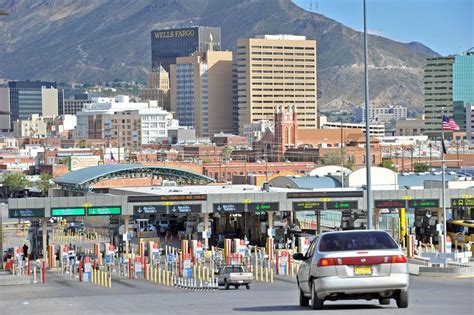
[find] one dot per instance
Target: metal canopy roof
(83, 178)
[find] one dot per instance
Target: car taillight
(324, 262)
(399, 259)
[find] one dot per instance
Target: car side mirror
(298, 256)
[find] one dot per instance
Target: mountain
(103, 40)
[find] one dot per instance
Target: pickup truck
(234, 275)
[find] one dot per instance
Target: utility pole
(368, 160)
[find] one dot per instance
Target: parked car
(235, 276)
(349, 265)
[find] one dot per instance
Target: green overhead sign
(104, 211)
(351, 204)
(67, 212)
(423, 203)
(264, 206)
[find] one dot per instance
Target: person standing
(25, 251)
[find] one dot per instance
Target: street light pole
(368, 159)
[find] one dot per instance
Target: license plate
(241, 281)
(362, 270)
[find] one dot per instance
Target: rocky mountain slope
(97, 40)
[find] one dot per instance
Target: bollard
(34, 274)
(266, 274)
(261, 273)
(159, 275)
(129, 268)
(43, 276)
(271, 275)
(80, 270)
(110, 280)
(29, 267)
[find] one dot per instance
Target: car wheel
(247, 286)
(226, 285)
(237, 286)
(402, 299)
(304, 301)
(384, 301)
(316, 303)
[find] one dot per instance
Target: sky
(446, 26)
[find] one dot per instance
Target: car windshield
(356, 241)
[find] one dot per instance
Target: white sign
(78, 162)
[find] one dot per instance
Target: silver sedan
(353, 265)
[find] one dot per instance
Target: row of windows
(305, 101)
(280, 90)
(282, 59)
(278, 47)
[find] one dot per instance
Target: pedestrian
(25, 251)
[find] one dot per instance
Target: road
(63, 296)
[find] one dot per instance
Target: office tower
(23, 98)
(448, 84)
(168, 44)
(158, 88)
(201, 91)
(276, 71)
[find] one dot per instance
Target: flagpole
(443, 182)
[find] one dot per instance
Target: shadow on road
(292, 308)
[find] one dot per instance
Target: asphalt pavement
(437, 295)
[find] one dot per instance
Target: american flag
(449, 123)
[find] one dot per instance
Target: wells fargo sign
(175, 33)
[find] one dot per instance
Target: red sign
(284, 254)
(199, 244)
(111, 248)
(65, 249)
(138, 259)
(87, 260)
(306, 241)
(19, 250)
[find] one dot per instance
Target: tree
(15, 183)
(337, 157)
(389, 164)
(227, 151)
(45, 183)
(420, 167)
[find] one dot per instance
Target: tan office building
(201, 92)
(438, 90)
(158, 88)
(276, 70)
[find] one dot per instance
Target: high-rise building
(158, 88)
(201, 92)
(276, 70)
(448, 84)
(169, 44)
(438, 87)
(463, 86)
(23, 98)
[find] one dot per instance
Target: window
(355, 241)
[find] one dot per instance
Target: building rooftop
(209, 189)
